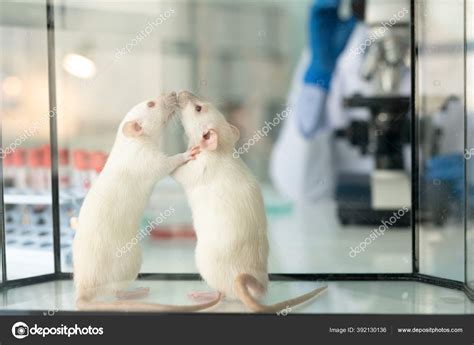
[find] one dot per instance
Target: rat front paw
(192, 153)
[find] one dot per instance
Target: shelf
(40, 199)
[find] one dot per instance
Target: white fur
(226, 202)
(110, 214)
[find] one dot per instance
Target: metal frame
(469, 289)
(53, 134)
(414, 146)
(3, 255)
(414, 276)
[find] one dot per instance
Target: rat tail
(83, 303)
(242, 283)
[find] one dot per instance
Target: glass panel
(440, 91)
(329, 200)
(90, 59)
(470, 142)
(25, 139)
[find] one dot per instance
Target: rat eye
(198, 108)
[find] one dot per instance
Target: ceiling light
(79, 66)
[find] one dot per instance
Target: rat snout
(169, 103)
(184, 97)
(170, 100)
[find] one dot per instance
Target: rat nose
(171, 98)
(184, 97)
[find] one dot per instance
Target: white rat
(228, 211)
(110, 215)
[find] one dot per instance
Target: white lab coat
(306, 169)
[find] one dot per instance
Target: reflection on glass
(79, 66)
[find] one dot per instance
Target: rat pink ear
(209, 140)
(235, 134)
(132, 129)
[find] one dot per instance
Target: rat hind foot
(203, 295)
(132, 294)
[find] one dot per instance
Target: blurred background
(330, 80)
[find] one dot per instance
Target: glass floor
(382, 297)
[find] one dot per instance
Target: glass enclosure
(380, 189)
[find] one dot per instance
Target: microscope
(370, 198)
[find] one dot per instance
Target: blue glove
(448, 168)
(328, 36)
